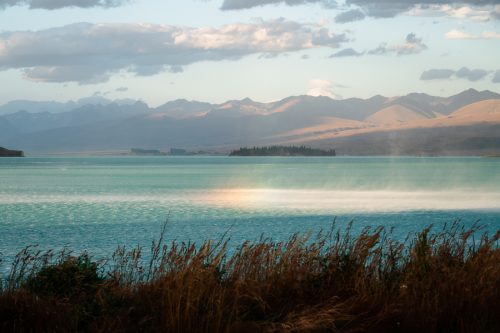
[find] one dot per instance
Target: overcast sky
(216, 50)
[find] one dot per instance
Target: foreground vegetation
(447, 281)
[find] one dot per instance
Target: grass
(446, 281)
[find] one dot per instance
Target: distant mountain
(26, 122)
(6, 129)
(56, 107)
(235, 109)
(458, 123)
(432, 105)
(182, 108)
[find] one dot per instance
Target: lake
(97, 203)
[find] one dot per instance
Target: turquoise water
(97, 203)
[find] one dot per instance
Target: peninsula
(282, 151)
(4, 152)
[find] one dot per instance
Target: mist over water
(97, 203)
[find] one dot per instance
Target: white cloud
(459, 34)
(480, 13)
(491, 35)
(90, 53)
(320, 87)
(58, 4)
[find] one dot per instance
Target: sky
(218, 50)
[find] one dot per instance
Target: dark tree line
(282, 151)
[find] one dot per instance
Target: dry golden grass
(447, 281)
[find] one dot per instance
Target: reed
(332, 281)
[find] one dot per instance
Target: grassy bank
(447, 281)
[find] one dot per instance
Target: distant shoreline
(217, 154)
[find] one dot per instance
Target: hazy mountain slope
(420, 103)
(25, 122)
(396, 114)
(479, 139)
(444, 105)
(150, 132)
(488, 110)
(321, 106)
(57, 107)
(467, 97)
(245, 107)
(182, 108)
(36, 106)
(6, 129)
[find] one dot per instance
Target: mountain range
(416, 124)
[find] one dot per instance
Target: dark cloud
(481, 10)
(390, 8)
(350, 16)
(462, 73)
(381, 49)
(121, 89)
(437, 74)
(496, 77)
(91, 53)
(471, 74)
(347, 53)
(411, 45)
(245, 4)
(57, 4)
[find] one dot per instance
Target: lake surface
(97, 203)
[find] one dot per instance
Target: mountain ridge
(193, 124)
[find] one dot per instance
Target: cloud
(381, 49)
(459, 34)
(496, 77)
(471, 74)
(58, 4)
(463, 73)
(320, 87)
(91, 53)
(478, 10)
(245, 4)
(437, 74)
(411, 45)
(481, 10)
(347, 53)
(121, 89)
(491, 35)
(350, 16)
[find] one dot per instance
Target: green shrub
(72, 279)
